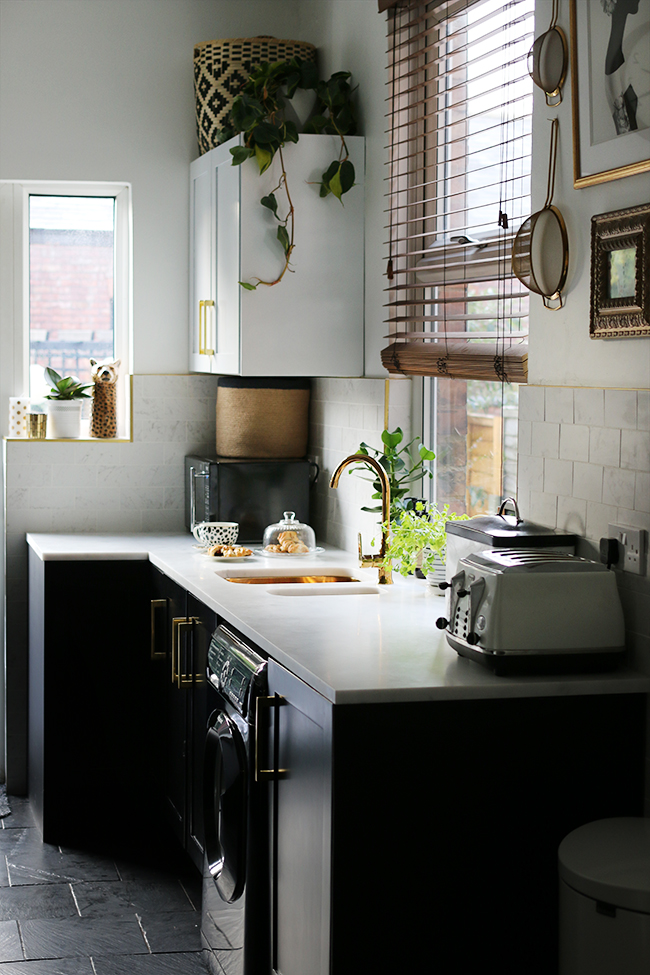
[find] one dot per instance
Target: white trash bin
(605, 898)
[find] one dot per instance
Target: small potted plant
(419, 541)
(64, 405)
(402, 469)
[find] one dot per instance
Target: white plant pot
(64, 419)
(437, 574)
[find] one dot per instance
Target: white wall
(561, 351)
(103, 90)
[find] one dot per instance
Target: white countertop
(376, 646)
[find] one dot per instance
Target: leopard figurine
(103, 420)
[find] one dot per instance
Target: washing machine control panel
(232, 666)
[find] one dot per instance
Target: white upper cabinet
(311, 323)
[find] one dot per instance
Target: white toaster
(520, 610)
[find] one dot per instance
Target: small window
(70, 244)
(71, 285)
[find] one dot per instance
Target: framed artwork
(610, 89)
(620, 274)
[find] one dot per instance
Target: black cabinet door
(168, 638)
(201, 698)
(90, 710)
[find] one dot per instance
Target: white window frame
(14, 282)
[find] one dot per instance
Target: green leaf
(347, 176)
(283, 237)
(246, 112)
(267, 134)
(290, 132)
(316, 124)
(425, 453)
(247, 285)
(335, 185)
(308, 74)
(240, 154)
(324, 190)
(270, 203)
(392, 439)
(52, 376)
(264, 158)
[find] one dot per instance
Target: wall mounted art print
(610, 89)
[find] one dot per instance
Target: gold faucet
(366, 561)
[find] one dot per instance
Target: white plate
(286, 555)
(226, 558)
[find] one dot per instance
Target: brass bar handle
(261, 738)
(156, 604)
(203, 326)
(179, 676)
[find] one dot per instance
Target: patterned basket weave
(222, 67)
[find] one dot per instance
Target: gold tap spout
(366, 561)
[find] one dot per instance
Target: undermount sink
(289, 580)
(325, 590)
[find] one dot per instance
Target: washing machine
(235, 924)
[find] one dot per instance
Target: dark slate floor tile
(47, 866)
(20, 815)
(173, 932)
(64, 937)
(24, 903)
(10, 948)
(104, 900)
(50, 966)
(183, 963)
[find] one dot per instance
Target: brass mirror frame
(627, 316)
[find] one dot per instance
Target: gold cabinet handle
(178, 676)
(156, 604)
(203, 326)
(261, 739)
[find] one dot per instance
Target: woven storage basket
(262, 417)
(222, 67)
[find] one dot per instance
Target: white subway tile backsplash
(118, 521)
(635, 450)
(558, 405)
(558, 477)
(543, 508)
(545, 439)
(588, 481)
(620, 408)
(642, 492)
(605, 446)
(29, 475)
(572, 515)
(635, 519)
(589, 406)
(141, 498)
(574, 442)
(51, 497)
(96, 499)
(74, 475)
(599, 516)
(531, 403)
(530, 473)
(618, 487)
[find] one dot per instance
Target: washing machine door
(225, 805)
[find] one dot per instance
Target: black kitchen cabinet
(181, 628)
(90, 702)
(423, 836)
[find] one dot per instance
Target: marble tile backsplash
(584, 463)
(345, 412)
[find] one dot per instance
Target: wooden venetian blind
(459, 124)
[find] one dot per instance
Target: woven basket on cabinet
(221, 68)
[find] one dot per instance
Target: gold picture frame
(620, 275)
(600, 151)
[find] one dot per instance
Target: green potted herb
(64, 404)
(419, 540)
(402, 468)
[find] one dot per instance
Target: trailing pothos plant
(258, 112)
(419, 538)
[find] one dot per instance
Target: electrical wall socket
(632, 547)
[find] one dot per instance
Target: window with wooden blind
(458, 188)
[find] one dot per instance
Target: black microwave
(254, 493)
